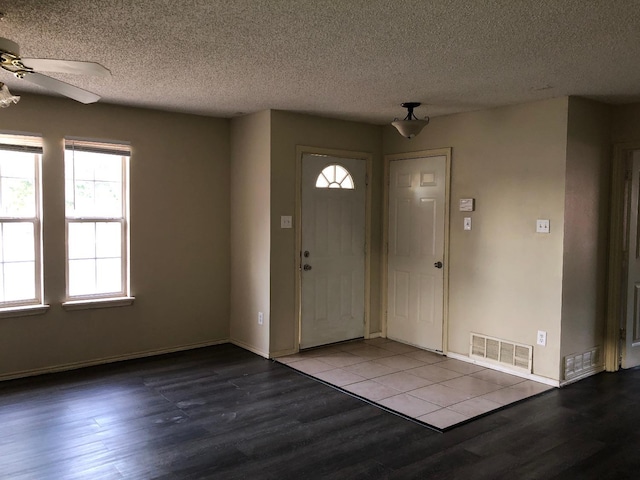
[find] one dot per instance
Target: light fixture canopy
(411, 125)
(6, 98)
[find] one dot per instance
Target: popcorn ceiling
(350, 59)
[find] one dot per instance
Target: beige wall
(586, 228)
(250, 230)
(625, 124)
(179, 237)
(288, 131)
(505, 279)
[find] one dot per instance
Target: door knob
(306, 267)
(438, 264)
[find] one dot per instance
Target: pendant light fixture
(411, 125)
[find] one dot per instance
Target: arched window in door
(335, 176)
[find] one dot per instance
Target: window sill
(23, 311)
(98, 303)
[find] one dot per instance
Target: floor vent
(501, 352)
(579, 364)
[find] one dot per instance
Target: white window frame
(28, 144)
(107, 299)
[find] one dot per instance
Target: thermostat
(467, 204)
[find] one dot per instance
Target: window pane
(108, 168)
(17, 242)
(108, 199)
(18, 197)
(108, 240)
(109, 275)
(17, 164)
(84, 194)
(82, 277)
(82, 168)
(82, 240)
(20, 281)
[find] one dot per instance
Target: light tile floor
(425, 386)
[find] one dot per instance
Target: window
(20, 246)
(96, 194)
(335, 176)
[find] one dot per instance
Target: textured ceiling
(350, 59)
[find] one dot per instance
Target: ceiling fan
(28, 69)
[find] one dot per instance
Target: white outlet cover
(286, 221)
(542, 226)
(542, 338)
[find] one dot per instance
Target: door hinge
(627, 175)
(366, 180)
(623, 334)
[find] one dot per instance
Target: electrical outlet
(286, 221)
(542, 338)
(260, 318)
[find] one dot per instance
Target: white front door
(631, 344)
(415, 270)
(333, 249)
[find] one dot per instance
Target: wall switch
(260, 318)
(542, 338)
(286, 221)
(467, 223)
(542, 226)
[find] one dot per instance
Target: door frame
(446, 152)
(301, 150)
(616, 291)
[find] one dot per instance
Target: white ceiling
(350, 59)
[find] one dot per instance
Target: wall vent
(579, 364)
(501, 352)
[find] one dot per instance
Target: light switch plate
(542, 226)
(286, 221)
(467, 223)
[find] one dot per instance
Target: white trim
(499, 368)
(23, 311)
(246, 346)
(98, 303)
(105, 360)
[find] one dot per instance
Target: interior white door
(415, 273)
(631, 343)
(333, 246)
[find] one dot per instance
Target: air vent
(580, 364)
(501, 352)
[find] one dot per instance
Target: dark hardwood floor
(222, 412)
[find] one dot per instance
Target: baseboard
(493, 366)
(283, 353)
(251, 348)
(589, 373)
(105, 360)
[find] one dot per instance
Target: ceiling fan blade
(62, 88)
(66, 66)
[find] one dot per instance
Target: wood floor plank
(222, 412)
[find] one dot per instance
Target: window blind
(21, 143)
(112, 148)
